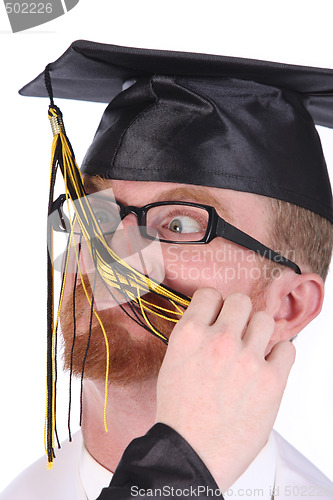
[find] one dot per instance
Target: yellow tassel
(132, 283)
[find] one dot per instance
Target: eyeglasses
(174, 222)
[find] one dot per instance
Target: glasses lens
(177, 223)
(106, 213)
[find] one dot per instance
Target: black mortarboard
(202, 119)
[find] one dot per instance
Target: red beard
(131, 359)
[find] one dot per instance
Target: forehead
(247, 211)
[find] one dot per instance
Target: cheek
(226, 267)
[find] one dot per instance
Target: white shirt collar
(94, 477)
(257, 481)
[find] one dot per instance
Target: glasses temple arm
(231, 233)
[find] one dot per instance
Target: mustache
(130, 359)
(151, 310)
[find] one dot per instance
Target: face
(135, 354)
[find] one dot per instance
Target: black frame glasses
(216, 227)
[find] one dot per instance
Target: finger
(283, 357)
(235, 314)
(259, 331)
(205, 306)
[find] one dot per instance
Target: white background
(288, 31)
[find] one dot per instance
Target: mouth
(140, 307)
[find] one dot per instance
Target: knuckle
(241, 299)
(187, 330)
(192, 325)
(224, 346)
(250, 363)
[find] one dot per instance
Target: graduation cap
(210, 120)
(200, 119)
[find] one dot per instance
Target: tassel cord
(87, 347)
(113, 271)
(72, 349)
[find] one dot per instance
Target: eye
(103, 217)
(184, 224)
(177, 222)
(106, 214)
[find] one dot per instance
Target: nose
(130, 219)
(142, 254)
(139, 252)
(127, 241)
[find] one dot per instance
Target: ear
(294, 301)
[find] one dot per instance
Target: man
(211, 157)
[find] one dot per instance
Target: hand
(215, 386)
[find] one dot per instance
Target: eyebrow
(95, 183)
(197, 194)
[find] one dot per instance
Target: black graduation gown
(161, 464)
